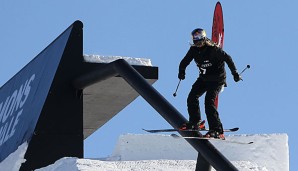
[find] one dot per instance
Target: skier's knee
(192, 100)
(210, 102)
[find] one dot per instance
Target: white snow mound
(269, 151)
(74, 164)
(146, 152)
(14, 161)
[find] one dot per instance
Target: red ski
(218, 31)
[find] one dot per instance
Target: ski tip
(235, 129)
(147, 130)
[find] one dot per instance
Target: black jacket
(210, 61)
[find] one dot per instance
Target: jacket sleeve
(187, 59)
(228, 59)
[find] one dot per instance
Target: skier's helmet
(198, 36)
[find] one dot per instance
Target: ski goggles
(198, 36)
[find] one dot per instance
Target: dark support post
(202, 164)
(58, 129)
(160, 104)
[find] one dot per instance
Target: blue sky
(260, 33)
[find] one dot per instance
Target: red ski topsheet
(218, 25)
(218, 31)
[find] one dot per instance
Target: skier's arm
(228, 59)
(184, 63)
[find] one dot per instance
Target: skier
(210, 59)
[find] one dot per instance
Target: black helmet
(198, 36)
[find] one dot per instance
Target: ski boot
(215, 134)
(200, 125)
(186, 126)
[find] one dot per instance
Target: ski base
(186, 130)
(205, 138)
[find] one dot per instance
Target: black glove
(181, 74)
(236, 76)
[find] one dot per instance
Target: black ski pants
(211, 88)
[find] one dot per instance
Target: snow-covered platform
(144, 152)
(105, 99)
(73, 164)
(269, 151)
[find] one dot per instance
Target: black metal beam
(159, 103)
(202, 164)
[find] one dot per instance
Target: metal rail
(160, 104)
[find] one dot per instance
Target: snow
(146, 152)
(108, 59)
(14, 161)
(269, 151)
(74, 164)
